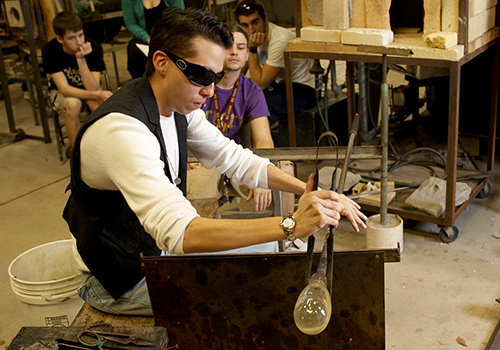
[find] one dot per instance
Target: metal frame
(317, 51)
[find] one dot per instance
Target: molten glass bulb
(313, 308)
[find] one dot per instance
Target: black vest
(110, 238)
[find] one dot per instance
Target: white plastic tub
(45, 280)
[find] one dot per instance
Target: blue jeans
(136, 301)
(303, 98)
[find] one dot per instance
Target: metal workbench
(349, 53)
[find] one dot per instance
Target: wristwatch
(252, 49)
(287, 223)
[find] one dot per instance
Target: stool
(116, 46)
(88, 315)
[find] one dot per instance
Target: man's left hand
(262, 198)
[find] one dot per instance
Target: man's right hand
(257, 39)
(84, 50)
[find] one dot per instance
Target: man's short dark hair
(177, 28)
(249, 7)
(66, 21)
(236, 28)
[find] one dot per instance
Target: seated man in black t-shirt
(73, 66)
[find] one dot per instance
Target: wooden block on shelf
(441, 40)
(375, 199)
(320, 34)
(367, 36)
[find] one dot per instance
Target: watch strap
(287, 230)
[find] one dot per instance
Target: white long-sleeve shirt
(119, 152)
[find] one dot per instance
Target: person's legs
(136, 59)
(70, 108)
(303, 98)
(134, 302)
(275, 95)
(72, 118)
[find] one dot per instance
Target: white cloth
(275, 46)
(119, 152)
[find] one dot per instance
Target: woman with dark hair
(140, 16)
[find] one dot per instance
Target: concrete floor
(437, 293)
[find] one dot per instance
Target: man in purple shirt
(238, 101)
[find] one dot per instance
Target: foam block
(320, 34)
(441, 40)
(365, 36)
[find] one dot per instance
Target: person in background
(266, 62)
(73, 65)
(139, 17)
(129, 171)
(238, 101)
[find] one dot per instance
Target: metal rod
(310, 250)
(384, 141)
(377, 192)
(363, 100)
(330, 246)
(25, 4)
(350, 144)
(323, 263)
(6, 95)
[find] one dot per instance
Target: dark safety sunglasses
(196, 74)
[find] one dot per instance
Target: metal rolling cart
(332, 51)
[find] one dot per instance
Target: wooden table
(88, 316)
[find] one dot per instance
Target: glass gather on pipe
(313, 308)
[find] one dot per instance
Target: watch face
(288, 222)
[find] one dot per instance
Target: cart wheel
(448, 234)
(20, 135)
(485, 191)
